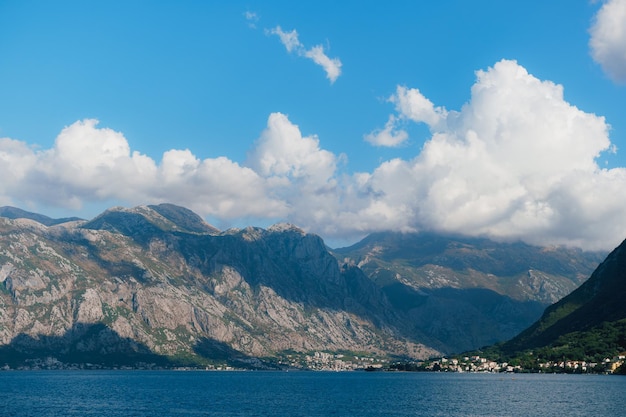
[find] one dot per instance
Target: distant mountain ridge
(16, 213)
(468, 291)
(151, 218)
(461, 252)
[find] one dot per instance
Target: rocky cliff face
(155, 281)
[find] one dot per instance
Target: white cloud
(217, 187)
(515, 162)
(410, 105)
(252, 18)
(89, 164)
(608, 39)
(281, 151)
(296, 170)
(288, 39)
(332, 66)
(390, 135)
(16, 161)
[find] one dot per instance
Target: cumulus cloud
(608, 39)
(282, 151)
(391, 135)
(17, 159)
(296, 170)
(332, 66)
(411, 105)
(90, 164)
(515, 162)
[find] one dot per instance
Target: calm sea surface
(171, 393)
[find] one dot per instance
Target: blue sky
(374, 117)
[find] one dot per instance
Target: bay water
(254, 393)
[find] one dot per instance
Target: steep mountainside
(590, 321)
(157, 284)
(468, 292)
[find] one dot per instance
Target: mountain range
(158, 284)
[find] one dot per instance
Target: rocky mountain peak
(184, 219)
(286, 227)
(142, 221)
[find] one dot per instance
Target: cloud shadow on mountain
(84, 343)
(221, 353)
(466, 319)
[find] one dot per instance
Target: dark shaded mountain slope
(592, 312)
(468, 291)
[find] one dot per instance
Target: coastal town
(339, 362)
(481, 364)
(326, 361)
